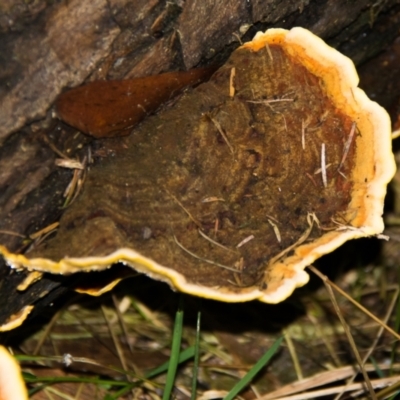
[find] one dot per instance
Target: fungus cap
(12, 385)
(17, 319)
(232, 191)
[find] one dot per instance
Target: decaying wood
(46, 47)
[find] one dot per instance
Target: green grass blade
(196, 357)
(73, 379)
(183, 356)
(175, 350)
(120, 392)
(254, 371)
(378, 370)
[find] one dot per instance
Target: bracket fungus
(12, 385)
(234, 189)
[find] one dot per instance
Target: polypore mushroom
(247, 179)
(12, 386)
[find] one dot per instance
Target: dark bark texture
(48, 46)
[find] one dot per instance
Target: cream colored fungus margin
(12, 385)
(374, 168)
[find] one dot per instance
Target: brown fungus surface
(111, 108)
(232, 191)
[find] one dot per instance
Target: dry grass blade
(213, 394)
(69, 163)
(54, 148)
(293, 354)
(317, 394)
(311, 218)
(89, 329)
(184, 209)
(329, 285)
(269, 52)
(395, 134)
(75, 186)
(276, 230)
(378, 336)
(223, 134)
(115, 340)
(206, 260)
(232, 82)
(351, 340)
(46, 332)
(215, 242)
(125, 331)
(121, 321)
(389, 391)
(270, 101)
(11, 233)
(244, 241)
(303, 135)
(328, 344)
(347, 145)
(357, 304)
(324, 378)
(44, 231)
(323, 165)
